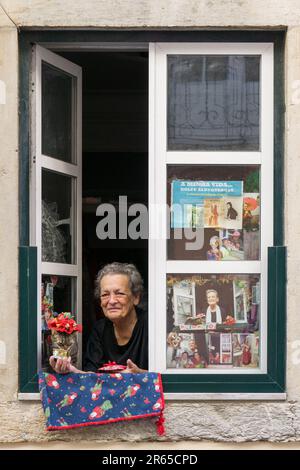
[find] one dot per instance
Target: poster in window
(207, 204)
(201, 206)
(213, 319)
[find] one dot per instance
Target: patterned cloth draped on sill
(77, 400)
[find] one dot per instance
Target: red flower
(229, 320)
(64, 323)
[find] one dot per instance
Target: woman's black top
(102, 345)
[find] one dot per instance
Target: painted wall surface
(292, 219)
(216, 421)
(153, 13)
(9, 193)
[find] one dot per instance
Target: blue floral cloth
(75, 400)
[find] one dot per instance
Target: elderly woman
(122, 335)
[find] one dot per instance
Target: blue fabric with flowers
(77, 400)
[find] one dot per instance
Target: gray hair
(212, 290)
(136, 284)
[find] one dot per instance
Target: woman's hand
(62, 365)
(132, 368)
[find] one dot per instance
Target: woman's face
(212, 299)
(116, 297)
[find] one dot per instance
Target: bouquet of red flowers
(64, 323)
(229, 320)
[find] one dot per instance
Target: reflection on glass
(58, 294)
(213, 321)
(213, 102)
(57, 218)
(215, 212)
(57, 127)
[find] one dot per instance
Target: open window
(82, 101)
(55, 218)
(215, 279)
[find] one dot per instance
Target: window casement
(56, 186)
(214, 212)
(212, 151)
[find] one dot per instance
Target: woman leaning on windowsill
(122, 335)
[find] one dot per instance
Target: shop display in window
(215, 213)
(210, 315)
(207, 204)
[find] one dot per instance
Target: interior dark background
(114, 158)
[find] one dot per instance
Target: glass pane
(57, 108)
(215, 212)
(58, 294)
(213, 102)
(58, 218)
(213, 321)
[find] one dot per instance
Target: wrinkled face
(116, 297)
(212, 299)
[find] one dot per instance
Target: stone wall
(220, 422)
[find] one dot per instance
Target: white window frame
(41, 162)
(159, 158)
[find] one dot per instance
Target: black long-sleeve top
(102, 345)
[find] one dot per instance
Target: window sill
(226, 396)
(195, 396)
